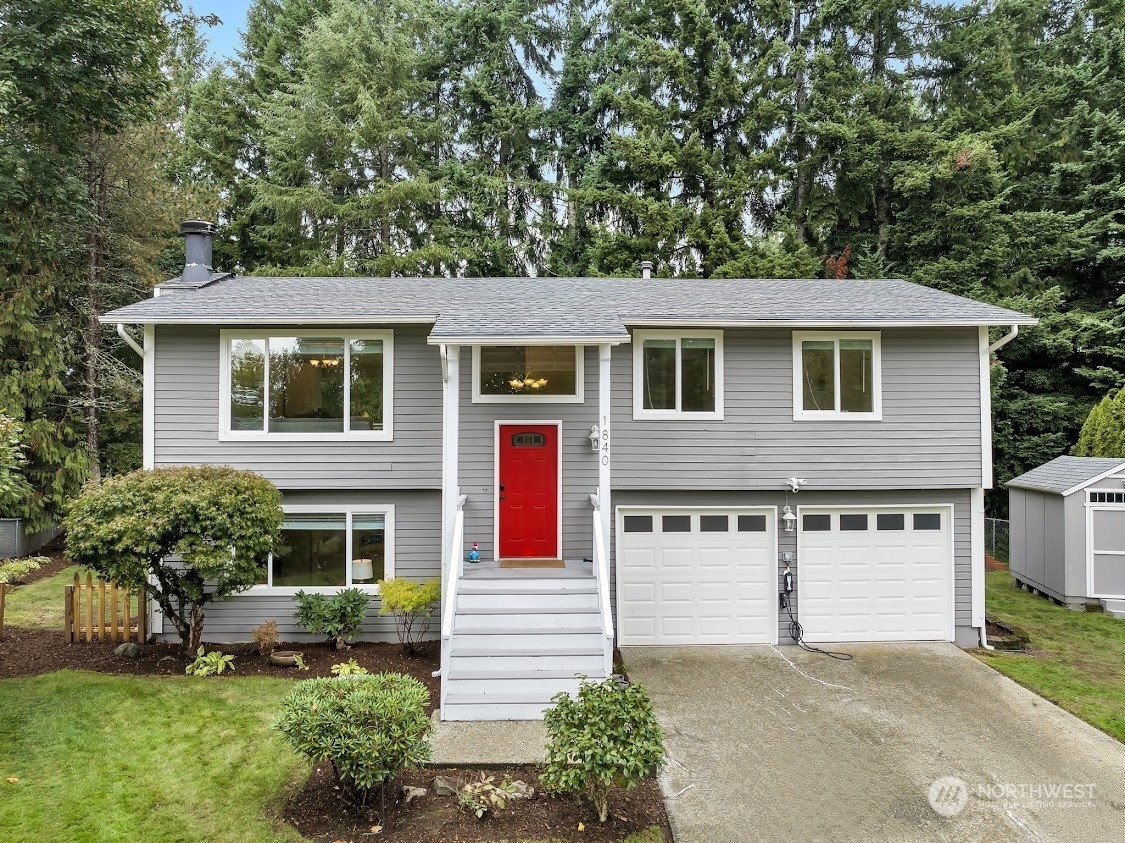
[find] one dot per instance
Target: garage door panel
(698, 587)
(875, 585)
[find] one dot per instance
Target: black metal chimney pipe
(199, 236)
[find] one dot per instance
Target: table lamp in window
(362, 570)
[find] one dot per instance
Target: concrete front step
(508, 602)
(506, 585)
(576, 661)
(523, 625)
(1115, 608)
(505, 710)
(530, 686)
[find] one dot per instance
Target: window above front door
(545, 374)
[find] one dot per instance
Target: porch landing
(490, 569)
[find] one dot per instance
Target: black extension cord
(797, 633)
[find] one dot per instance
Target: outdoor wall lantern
(789, 519)
(595, 438)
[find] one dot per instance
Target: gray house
(1068, 531)
(637, 461)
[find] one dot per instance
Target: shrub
(221, 523)
(265, 636)
(349, 668)
(14, 487)
(483, 795)
(412, 604)
(337, 617)
(605, 736)
(209, 664)
(12, 570)
(369, 728)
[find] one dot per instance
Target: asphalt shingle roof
(1064, 473)
(561, 307)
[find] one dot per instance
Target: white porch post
(604, 428)
(450, 410)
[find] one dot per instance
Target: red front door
(528, 490)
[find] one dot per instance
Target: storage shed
(1068, 531)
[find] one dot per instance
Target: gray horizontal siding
(477, 456)
(929, 436)
(787, 542)
(417, 546)
(187, 421)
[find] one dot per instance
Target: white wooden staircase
(513, 638)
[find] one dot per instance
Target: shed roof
(579, 309)
(1064, 475)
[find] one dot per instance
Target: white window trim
(799, 411)
(1092, 507)
(384, 435)
(517, 398)
(388, 513)
(639, 410)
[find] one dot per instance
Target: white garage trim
(1091, 508)
(771, 514)
(947, 510)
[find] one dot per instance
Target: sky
(223, 38)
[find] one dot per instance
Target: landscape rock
(129, 650)
(409, 793)
(447, 785)
(521, 790)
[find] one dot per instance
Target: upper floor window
(303, 385)
(836, 375)
(678, 374)
(534, 373)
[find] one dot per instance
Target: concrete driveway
(770, 743)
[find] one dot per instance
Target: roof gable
(1067, 475)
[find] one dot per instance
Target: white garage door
(880, 574)
(696, 576)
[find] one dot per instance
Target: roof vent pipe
(198, 238)
(646, 269)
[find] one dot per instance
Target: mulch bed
(29, 652)
(991, 563)
(319, 813)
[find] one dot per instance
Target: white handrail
(601, 568)
(454, 567)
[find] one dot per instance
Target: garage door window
(890, 521)
(638, 523)
(853, 523)
(927, 521)
(676, 524)
(751, 523)
(816, 523)
(714, 523)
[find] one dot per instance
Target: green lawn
(1075, 659)
(39, 605)
(158, 759)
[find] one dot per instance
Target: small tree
(605, 736)
(219, 522)
(339, 617)
(412, 604)
(1103, 433)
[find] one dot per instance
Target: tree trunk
(97, 192)
(196, 629)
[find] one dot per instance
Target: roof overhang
(110, 319)
(670, 322)
(1093, 480)
(589, 339)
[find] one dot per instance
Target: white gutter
(1004, 340)
(132, 342)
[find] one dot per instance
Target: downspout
(1004, 340)
(992, 349)
(444, 363)
(132, 342)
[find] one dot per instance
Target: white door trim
(1091, 508)
(497, 424)
(619, 521)
(951, 543)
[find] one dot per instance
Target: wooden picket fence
(100, 611)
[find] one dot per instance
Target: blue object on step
(474, 554)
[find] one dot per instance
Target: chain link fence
(996, 538)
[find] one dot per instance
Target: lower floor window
(331, 550)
